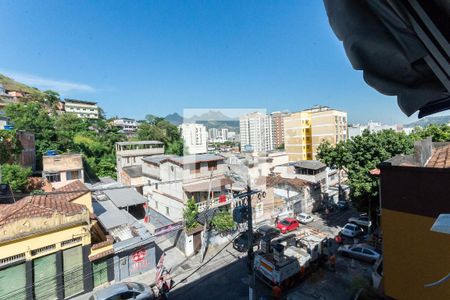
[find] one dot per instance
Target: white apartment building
(213, 134)
(175, 179)
(256, 132)
(127, 125)
(357, 129)
(83, 109)
(195, 138)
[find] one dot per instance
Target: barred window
(71, 241)
(43, 249)
(11, 259)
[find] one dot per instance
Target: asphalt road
(226, 277)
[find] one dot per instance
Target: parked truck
(284, 261)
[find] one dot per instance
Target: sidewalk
(173, 259)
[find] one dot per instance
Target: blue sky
(159, 57)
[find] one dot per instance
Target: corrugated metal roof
(109, 215)
(125, 197)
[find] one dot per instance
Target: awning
(203, 186)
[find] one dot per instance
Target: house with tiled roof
(44, 236)
(415, 195)
(52, 246)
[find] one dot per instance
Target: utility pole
(250, 254)
(205, 228)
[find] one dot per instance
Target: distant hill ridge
(11, 85)
(430, 120)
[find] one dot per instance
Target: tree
(360, 155)
(223, 222)
(280, 147)
(10, 146)
(438, 133)
(15, 176)
(158, 129)
(190, 214)
(67, 126)
(33, 117)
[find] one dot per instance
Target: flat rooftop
(140, 143)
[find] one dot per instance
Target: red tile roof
(72, 191)
(45, 205)
(440, 158)
(295, 182)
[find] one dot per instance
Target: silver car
(360, 252)
(125, 290)
(351, 230)
(305, 218)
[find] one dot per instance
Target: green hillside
(12, 85)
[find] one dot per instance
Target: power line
(72, 270)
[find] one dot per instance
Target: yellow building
(45, 245)
(305, 130)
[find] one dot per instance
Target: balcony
(215, 202)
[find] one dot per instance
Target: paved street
(225, 276)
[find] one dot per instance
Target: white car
(351, 230)
(361, 221)
(361, 252)
(305, 218)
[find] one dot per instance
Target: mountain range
(211, 119)
(430, 120)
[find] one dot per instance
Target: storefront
(134, 259)
(13, 282)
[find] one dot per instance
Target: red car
(287, 224)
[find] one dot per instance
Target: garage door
(13, 282)
(73, 271)
(100, 269)
(45, 277)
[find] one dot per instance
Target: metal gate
(13, 283)
(197, 241)
(73, 271)
(100, 269)
(45, 277)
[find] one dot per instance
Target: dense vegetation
(159, 129)
(361, 154)
(67, 133)
(15, 176)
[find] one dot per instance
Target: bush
(15, 176)
(190, 214)
(223, 222)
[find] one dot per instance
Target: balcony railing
(215, 202)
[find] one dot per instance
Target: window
(212, 165)
(53, 177)
(358, 250)
(73, 175)
(367, 251)
(156, 204)
(167, 211)
(197, 168)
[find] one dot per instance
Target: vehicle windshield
(350, 227)
(285, 222)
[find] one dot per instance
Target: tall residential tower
(256, 132)
(305, 130)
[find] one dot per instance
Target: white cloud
(49, 84)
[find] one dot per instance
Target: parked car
(351, 230)
(267, 231)
(125, 290)
(305, 218)
(360, 252)
(241, 242)
(288, 224)
(343, 205)
(362, 220)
